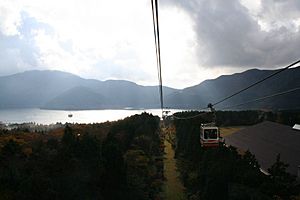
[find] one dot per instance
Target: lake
(41, 116)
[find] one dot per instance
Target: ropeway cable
(256, 83)
(263, 98)
(154, 5)
(247, 102)
(248, 87)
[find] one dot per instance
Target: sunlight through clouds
(10, 18)
(98, 30)
(114, 39)
(118, 32)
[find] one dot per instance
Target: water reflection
(83, 116)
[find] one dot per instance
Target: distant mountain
(35, 88)
(61, 90)
(211, 91)
(77, 98)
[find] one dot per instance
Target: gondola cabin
(209, 135)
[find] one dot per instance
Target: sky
(114, 39)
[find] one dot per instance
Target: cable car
(209, 135)
(165, 114)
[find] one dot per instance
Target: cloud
(72, 36)
(278, 13)
(114, 39)
(229, 35)
(10, 18)
(76, 37)
(18, 52)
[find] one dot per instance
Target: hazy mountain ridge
(77, 97)
(61, 90)
(211, 91)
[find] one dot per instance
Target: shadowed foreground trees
(80, 166)
(223, 173)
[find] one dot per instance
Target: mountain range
(65, 91)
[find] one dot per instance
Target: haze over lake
(41, 116)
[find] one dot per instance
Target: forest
(113, 160)
(124, 160)
(225, 173)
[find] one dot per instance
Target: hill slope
(34, 88)
(77, 97)
(211, 91)
(60, 90)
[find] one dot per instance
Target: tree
(68, 138)
(11, 148)
(283, 184)
(137, 174)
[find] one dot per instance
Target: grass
(173, 188)
(225, 131)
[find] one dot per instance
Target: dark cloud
(228, 35)
(277, 10)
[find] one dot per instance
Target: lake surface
(41, 116)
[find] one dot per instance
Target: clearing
(174, 189)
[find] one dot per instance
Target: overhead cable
(190, 117)
(248, 87)
(264, 98)
(256, 83)
(244, 103)
(154, 5)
